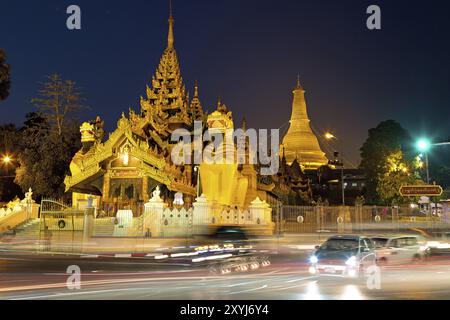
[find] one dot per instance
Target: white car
(399, 249)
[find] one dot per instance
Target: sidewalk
(109, 246)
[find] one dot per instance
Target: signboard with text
(421, 190)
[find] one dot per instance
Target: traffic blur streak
(286, 277)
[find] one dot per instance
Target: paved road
(31, 276)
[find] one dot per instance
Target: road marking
(301, 279)
(249, 290)
(241, 284)
(69, 294)
(291, 287)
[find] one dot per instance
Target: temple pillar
(261, 213)
(153, 215)
(106, 186)
(188, 174)
(145, 195)
(200, 219)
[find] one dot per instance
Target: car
(343, 255)
(234, 235)
(439, 245)
(399, 249)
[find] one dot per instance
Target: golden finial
(170, 37)
(196, 89)
(299, 86)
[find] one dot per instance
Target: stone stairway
(28, 230)
(103, 227)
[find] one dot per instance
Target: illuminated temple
(300, 142)
(122, 170)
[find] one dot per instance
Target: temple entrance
(125, 194)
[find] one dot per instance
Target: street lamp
(423, 145)
(6, 161)
(197, 169)
(330, 136)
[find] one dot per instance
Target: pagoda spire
(299, 86)
(170, 37)
(166, 107)
(196, 106)
(196, 89)
(244, 123)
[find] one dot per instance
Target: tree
(397, 172)
(59, 100)
(439, 159)
(383, 141)
(46, 155)
(8, 147)
(5, 82)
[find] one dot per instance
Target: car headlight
(313, 259)
(351, 262)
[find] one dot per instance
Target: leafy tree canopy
(50, 138)
(386, 139)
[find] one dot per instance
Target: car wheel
(417, 258)
(382, 261)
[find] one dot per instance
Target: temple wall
(160, 221)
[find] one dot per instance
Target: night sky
(247, 52)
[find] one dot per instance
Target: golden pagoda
(300, 142)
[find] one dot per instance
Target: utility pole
(343, 183)
(330, 136)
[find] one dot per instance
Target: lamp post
(330, 136)
(197, 169)
(7, 160)
(424, 146)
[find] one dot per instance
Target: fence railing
(312, 219)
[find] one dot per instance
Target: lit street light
(6, 161)
(329, 136)
(424, 145)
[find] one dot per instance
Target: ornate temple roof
(145, 135)
(196, 106)
(166, 106)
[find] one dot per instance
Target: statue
(156, 195)
(87, 132)
(28, 196)
(99, 131)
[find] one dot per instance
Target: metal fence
(313, 219)
(57, 216)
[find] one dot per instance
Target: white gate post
(153, 214)
(200, 215)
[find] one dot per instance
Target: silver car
(399, 249)
(343, 255)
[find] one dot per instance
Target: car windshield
(379, 242)
(340, 245)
